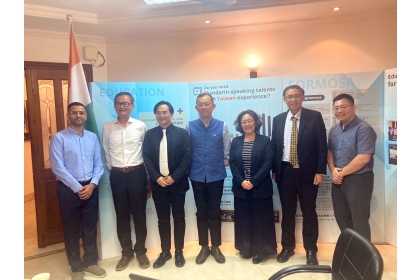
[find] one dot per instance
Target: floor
(53, 260)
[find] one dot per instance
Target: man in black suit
(167, 157)
(298, 176)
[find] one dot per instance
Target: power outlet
(91, 53)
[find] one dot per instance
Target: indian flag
(78, 89)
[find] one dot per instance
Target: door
(47, 91)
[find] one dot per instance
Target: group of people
(297, 156)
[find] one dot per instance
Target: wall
(358, 45)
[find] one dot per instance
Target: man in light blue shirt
(76, 163)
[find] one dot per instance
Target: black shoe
(202, 256)
(248, 256)
(284, 255)
(163, 257)
(179, 258)
(257, 259)
(217, 254)
(311, 257)
(123, 262)
(143, 261)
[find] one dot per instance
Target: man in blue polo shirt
(76, 162)
(351, 146)
(210, 145)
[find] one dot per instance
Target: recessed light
(336, 8)
(207, 21)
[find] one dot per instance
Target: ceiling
(131, 19)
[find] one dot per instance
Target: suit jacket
(179, 157)
(261, 162)
(312, 144)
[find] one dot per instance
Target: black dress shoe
(217, 254)
(143, 261)
(202, 256)
(284, 255)
(179, 258)
(248, 256)
(311, 257)
(161, 260)
(123, 262)
(257, 259)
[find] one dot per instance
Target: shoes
(161, 260)
(202, 256)
(95, 271)
(179, 258)
(217, 254)
(284, 255)
(257, 259)
(78, 276)
(143, 261)
(123, 263)
(311, 257)
(247, 256)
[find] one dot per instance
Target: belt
(286, 163)
(128, 168)
(84, 183)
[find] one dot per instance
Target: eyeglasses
(124, 104)
(203, 105)
(75, 113)
(291, 97)
(247, 121)
(343, 107)
(164, 113)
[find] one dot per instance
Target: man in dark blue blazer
(170, 183)
(299, 180)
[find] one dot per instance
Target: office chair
(354, 258)
(133, 276)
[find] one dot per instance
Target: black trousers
(290, 188)
(351, 202)
(129, 192)
(79, 218)
(207, 200)
(164, 200)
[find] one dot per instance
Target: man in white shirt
(122, 141)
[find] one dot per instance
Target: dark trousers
(207, 200)
(290, 188)
(129, 192)
(79, 218)
(351, 202)
(164, 199)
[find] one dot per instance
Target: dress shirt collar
(74, 132)
(206, 124)
(290, 115)
(130, 120)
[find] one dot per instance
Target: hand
(247, 185)
(168, 180)
(226, 162)
(162, 182)
(318, 179)
(273, 176)
(86, 191)
(337, 178)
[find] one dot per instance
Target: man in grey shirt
(351, 146)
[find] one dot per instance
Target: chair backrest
(355, 258)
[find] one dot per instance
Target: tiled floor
(38, 260)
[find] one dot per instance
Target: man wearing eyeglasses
(167, 155)
(351, 146)
(299, 141)
(210, 145)
(122, 140)
(75, 156)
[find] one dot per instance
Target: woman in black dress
(250, 160)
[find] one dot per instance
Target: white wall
(349, 46)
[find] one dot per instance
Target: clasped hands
(165, 181)
(86, 191)
(337, 177)
(247, 185)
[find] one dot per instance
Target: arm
(148, 151)
(337, 178)
(321, 138)
(226, 143)
(234, 166)
(182, 169)
(105, 144)
(274, 148)
(265, 168)
(57, 164)
(98, 167)
(356, 164)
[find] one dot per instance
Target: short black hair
(75, 104)
(344, 96)
(171, 108)
(291, 87)
(204, 94)
(124, 93)
(255, 116)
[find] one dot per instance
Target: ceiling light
(205, 19)
(156, 2)
(336, 8)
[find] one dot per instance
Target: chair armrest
(139, 277)
(300, 269)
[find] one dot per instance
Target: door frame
(35, 131)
